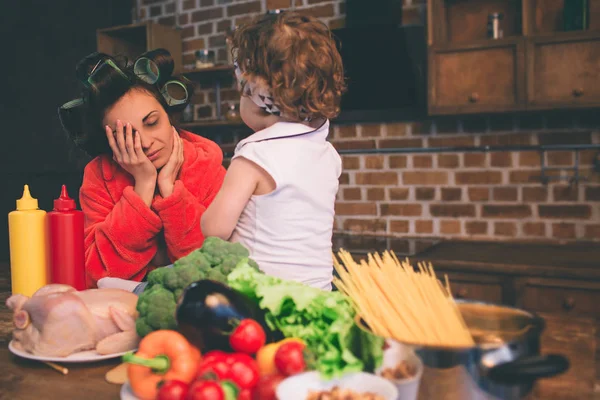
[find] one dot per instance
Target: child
(279, 192)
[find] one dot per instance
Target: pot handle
(528, 369)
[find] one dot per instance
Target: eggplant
(209, 311)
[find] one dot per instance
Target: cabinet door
(564, 71)
(477, 78)
(478, 287)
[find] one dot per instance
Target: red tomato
(172, 390)
(289, 358)
(248, 337)
(239, 368)
(205, 390)
(266, 387)
(245, 394)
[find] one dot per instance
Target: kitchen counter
(576, 336)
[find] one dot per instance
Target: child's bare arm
(241, 181)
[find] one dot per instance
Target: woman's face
(149, 118)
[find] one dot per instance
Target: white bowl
(297, 387)
(408, 388)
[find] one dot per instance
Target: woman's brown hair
(296, 57)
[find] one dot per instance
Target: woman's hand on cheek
(128, 153)
(168, 173)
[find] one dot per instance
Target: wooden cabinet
(534, 65)
(564, 71)
(480, 287)
(477, 77)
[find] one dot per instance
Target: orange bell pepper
(163, 355)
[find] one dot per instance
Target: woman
(145, 191)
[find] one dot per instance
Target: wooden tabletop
(22, 379)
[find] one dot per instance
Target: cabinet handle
(569, 303)
(474, 97)
(462, 293)
(578, 92)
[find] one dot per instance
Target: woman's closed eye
(152, 122)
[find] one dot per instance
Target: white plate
(127, 393)
(81, 357)
(297, 387)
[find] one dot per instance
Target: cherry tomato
(239, 368)
(245, 394)
(205, 390)
(289, 358)
(248, 337)
(173, 390)
(266, 387)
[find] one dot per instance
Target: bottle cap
(27, 202)
(64, 202)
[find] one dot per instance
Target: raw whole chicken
(58, 321)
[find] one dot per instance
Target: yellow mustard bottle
(28, 246)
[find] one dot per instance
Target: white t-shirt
(288, 231)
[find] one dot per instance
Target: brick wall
(491, 196)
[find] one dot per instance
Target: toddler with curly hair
(279, 192)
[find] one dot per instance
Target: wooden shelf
(210, 123)
(209, 74)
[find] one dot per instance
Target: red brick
(397, 129)
(534, 229)
(425, 193)
(377, 178)
(592, 193)
(478, 178)
(223, 25)
(398, 161)
(563, 231)
(399, 226)
(188, 4)
(374, 162)
(350, 162)
(323, 11)
(559, 158)
(169, 8)
(450, 227)
(400, 143)
(425, 178)
(205, 15)
(566, 193)
(587, 157)
(155, 11)
(346, 131)
(560, 212)
(501, 159)
(423, 226)
(243, 8)
(592, 232)
(422, 161)
(337, 23)
(475, 159)
(506, 211)
(184, 19)
(505, 193)
(479, 194)
(344, 178)
(187, 32)
(167, 21)
(205, 29)
(353, 144)
(317, 1)
(355, 209)
(375, 194)
(198, 98)
(451, 141)
(405, 210)
(451, 194)
(535, 194)
(452, 210)
(365, 225)
(373, 130)
(448, 161)
(524, 176)
(476, 227)
(216, 41)
(505, 228)
(352, 194)
(506, 140)
(278, 4)
(565, 138)
(207, 3)
(398, 193)
(529, 159)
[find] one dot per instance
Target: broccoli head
(156, 307)
(195, 258)
(216, 249)
(156, 277)
(216, 275)
(180, 277)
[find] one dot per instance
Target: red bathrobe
(123, 234)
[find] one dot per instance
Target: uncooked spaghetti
(397, 302)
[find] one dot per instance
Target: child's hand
(168, 173)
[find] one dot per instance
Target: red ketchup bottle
(65, 226)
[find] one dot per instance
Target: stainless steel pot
(504, 364)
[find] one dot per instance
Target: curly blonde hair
(296, 58)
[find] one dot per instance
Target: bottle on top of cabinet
(28, 246)
(65, 228)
